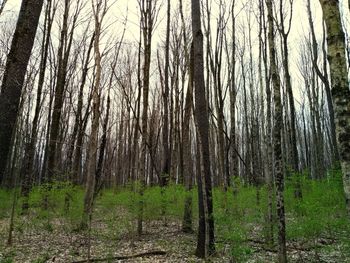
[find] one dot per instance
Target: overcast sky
(129, 8)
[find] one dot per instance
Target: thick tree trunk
(340, 87)
(205, 244)
(15, 71)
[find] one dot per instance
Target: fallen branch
(145, 254)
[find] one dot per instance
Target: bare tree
(340, 87)
(284, 30)
(324, 78)
(64, 51)
(277, 137)
(99, 11)
(206, 242)
(166, 152)
(148, 17)
(30, 147)
(15, 70)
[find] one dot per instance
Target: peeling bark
(340, 87)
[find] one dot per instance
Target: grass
(320, 214)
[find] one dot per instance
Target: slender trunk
(76, 136)
(99, 11)
(147, 20)
(186, 141)
(166, 152)
(324, 78)
(233, 94)
(63, 55)
(277, 137)
(30, 151)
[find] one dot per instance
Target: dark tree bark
(103, 144)
(285, 61)
(30, 147)
(234, 169)
(99, 11)
(65, 45)
(340, 87)
(186, 160)
(72, 169)
(15, 71)
(206, 242)
(325, 79)
(277, 137)
(166, 153)
(147, 9)
(187, 156)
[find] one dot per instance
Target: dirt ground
(165, 240)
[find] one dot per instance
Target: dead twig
(145, 254)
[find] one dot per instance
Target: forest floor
(58, 245)
(317, 228)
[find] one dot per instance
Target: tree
(277, 136)
(166, 151)
(99, 11)
(73, 162)
(164, 175)
(148, 16)
(325, 79)
(267, 137)
(233, 96)
(64, 50)
(187, 163)
(284, 31)
(205, 243)
(15, 71)
(30, 147)
(340, 87)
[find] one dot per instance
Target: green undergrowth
(239, 219)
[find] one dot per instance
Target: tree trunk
(30, 149)
(340, 87)
(277, 137)
(99, 12)
(147, 20)
(205, 244)
(324, 78)
(187, 155)
(166, 153)
(15, 71)
(63, 55)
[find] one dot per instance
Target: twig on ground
(145, 254)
